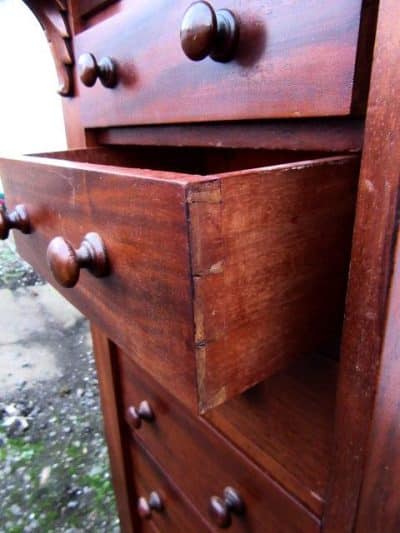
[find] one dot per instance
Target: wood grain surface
(294, 59)
(215, 281)
(370, 340)
(201, 463)
(285, 425)
(145, 303)
(324, 135)
(270, 251)
(177, 513)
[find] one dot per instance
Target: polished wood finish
(202, 463)
(294, 59)
(192, 250)
(370, 336)
(66, 263)
(175, 513)
(16, 219)
(260, 284)
(178, 320)
(87, 8)
(143, 413)
(54, 18)
(286, 426)
(314, 135)
(105, 354)
(90, 71)
(205, 32)
(221, 509)
(146, 506)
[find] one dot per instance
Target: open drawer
(221, 265)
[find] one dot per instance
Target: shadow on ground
(54, 470)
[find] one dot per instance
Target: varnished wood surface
(270, 251)
(177, 513)
(379, 504)
(86, 8)
(294, 59)
(371, 335)
(249, 242)
(144, 304)
(326, 135)
(105, 355)
(285, 424)
(201, 463)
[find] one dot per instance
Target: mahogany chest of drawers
(239, 270)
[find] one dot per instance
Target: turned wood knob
(205, 32)
(143, 412)
(16, 219)
(221, 509)
(65, 262)
(145, 506)
(89, 71)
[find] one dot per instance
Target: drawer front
(215, 281)
(293, 59)
(174, 513)
(202, 464)
(144, 303)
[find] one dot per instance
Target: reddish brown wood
(90, 70)
(222, 509)
(141, 218)
(190, 270)
(327, 135)
(66, 263)
(294, 59)
(105, 363)
(285, 425)
(366, 326)
(143, 412)
(202, 463)
(379, 504)
(261, 285)
(169, 510)
(206, 32)
(17, 219)
(87, 8)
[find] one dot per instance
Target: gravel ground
(54, 469)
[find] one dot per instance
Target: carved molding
(53, 17)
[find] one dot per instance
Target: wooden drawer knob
(146, 507)
(143, 412)
(89, 71)
(16, 219)
(205, 32)
(65, 262)
(221, 509)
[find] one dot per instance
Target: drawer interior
(197, 161)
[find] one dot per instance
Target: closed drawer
(159, 505)
(202, 464)
(213, 281)
(293, 59)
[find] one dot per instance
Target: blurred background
(54, 471)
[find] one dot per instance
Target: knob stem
(90, 70)
(66, 263)
(221, 509)
(146, 506)
(16, 219)
(143, 412)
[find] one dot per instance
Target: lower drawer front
(160, 507)
(202, 464)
